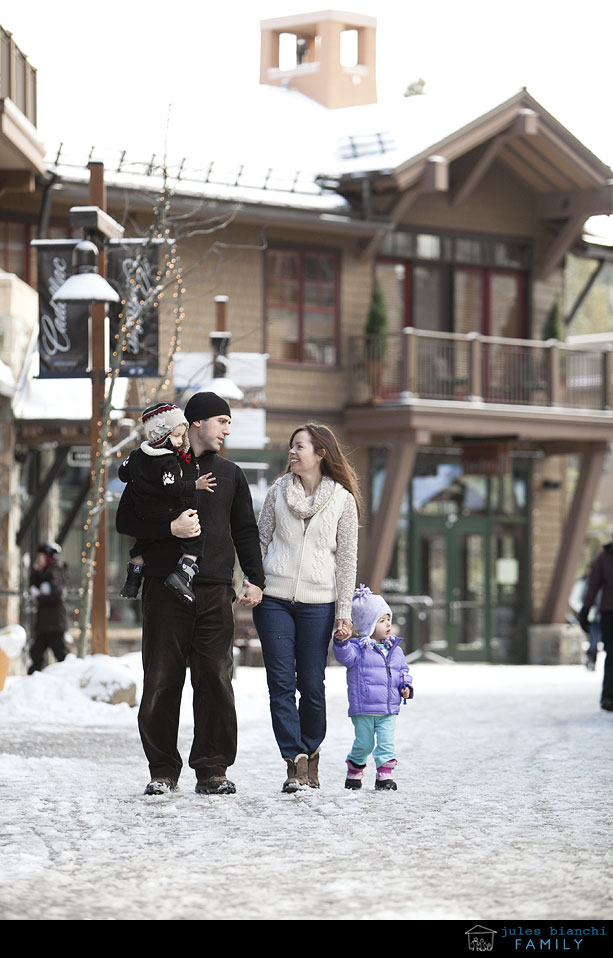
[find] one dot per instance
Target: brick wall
(549, 508)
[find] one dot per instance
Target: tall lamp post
(87, 284)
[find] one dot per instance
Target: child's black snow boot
(129, 589)
(180, 581)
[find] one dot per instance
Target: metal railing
(452, 366)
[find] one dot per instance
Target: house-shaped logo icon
(480, 938)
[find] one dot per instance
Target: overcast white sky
(109, 83)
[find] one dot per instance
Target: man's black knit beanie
(205, 405)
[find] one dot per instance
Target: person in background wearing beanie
(378, 680)
(47, 582)
(201, 634)
(159, 491)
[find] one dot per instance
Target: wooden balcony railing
(416, 364)
(17, 77)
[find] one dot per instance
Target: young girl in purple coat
(378, 680)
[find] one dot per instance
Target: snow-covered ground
(502, 811)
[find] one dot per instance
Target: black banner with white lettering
(63, 333)
(132, 269)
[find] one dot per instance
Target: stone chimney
(332, 56)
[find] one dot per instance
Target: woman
(308, 534)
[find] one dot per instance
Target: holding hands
(343, 630)
(251, 595)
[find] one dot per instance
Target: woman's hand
(344, 629)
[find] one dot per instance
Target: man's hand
(187, 525)
(251, 595)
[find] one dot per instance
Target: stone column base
(555, 644)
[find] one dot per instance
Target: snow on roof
(274, 146)
(270, 144)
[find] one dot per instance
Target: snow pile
(74, 691)
(105, 679)
(12, 640)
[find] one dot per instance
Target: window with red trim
(302, 306)
(450, 298)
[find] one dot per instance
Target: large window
(302, 306)
(454, 284)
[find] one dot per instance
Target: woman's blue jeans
(295, 637)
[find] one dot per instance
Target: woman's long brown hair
(334, 462)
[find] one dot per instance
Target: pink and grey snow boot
(355, 774)
(384, 780)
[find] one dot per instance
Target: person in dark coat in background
(47, 583)
(601, 581)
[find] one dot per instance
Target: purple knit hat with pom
(366, 608)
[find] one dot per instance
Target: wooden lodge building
(460, 418)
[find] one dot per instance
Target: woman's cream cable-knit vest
(300, 560)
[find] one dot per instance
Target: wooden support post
(559, 246)
(553, 360)
(384, 524)
(476, 388)
(479, 169)
(42, 491)
(573, 535)
(607, 377)
(409, 354)
(99, 641)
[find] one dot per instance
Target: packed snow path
(502, 810)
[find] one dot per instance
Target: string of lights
(134, 303)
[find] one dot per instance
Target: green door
(452, 564)
(474, 569)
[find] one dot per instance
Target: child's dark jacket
(159, 490)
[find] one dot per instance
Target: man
(175, 634)
(600, 584)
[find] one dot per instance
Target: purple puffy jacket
(373, 679)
